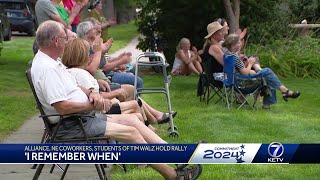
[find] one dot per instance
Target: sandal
(166, 118)
(286, 95)
(181, 166)
(192, 172)
(266, 107)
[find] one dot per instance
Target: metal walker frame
(167, 79)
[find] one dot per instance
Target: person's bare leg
(155, 113)
(139, 116)
(114, 101)
(129, 107)
(257, 67)
(192, 67)
(131, 120)
(123, 133)
(198, 66)
(150, 117)
(282, 88)
(129, 134)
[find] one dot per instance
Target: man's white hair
(47, 31)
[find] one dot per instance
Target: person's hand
(122, 54)
(122, 67)
(105, 85)
(122, 95)
(129, 54)
(107, 105)
(97, 44)
(126, 58)
(251, 60)
(111, 22)
(194, 49)
(76, 9)
(243, 33)
(97, 100)
(107, 45)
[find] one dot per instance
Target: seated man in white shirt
(58, 92)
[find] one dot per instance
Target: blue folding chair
(232, 84)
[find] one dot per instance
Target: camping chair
(236, 84)
(207, 84)
(51, 132)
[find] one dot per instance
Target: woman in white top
(76, 58)
(186, 61)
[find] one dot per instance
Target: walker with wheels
(167, 79)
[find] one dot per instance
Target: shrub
(291, 58)
(173, 20)
(1, 46)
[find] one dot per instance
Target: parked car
(21, 15)
(5, 31)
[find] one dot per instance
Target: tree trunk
(108, 9)
(233, 14)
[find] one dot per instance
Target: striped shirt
(238, 63)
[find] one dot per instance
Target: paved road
(17, 35)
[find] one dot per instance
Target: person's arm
(195, 53)
(84, 79)
(120, 94)
(69, 107)
(116, 63)
(245, 70)
(74, 12)
(96, 102)
(108, 23)
(96, 58)
(107, 45)
(184, 58)
(56, 17)
(217, 53)
(104, 84)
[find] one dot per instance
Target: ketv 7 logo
(275, 150)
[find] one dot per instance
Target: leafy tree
(173, 20)
(233, 13)
(265, 20)
(304, 9)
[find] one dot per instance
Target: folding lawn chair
(208, 87)
(51, 132)
(238, 90)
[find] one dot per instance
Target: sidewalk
(31, 132)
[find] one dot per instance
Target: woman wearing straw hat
(212, 50)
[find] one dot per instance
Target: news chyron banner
(275, 153)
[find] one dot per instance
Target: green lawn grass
(16, 101)
(297, 121)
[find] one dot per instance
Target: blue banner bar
(273, 153)
(96, 153)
